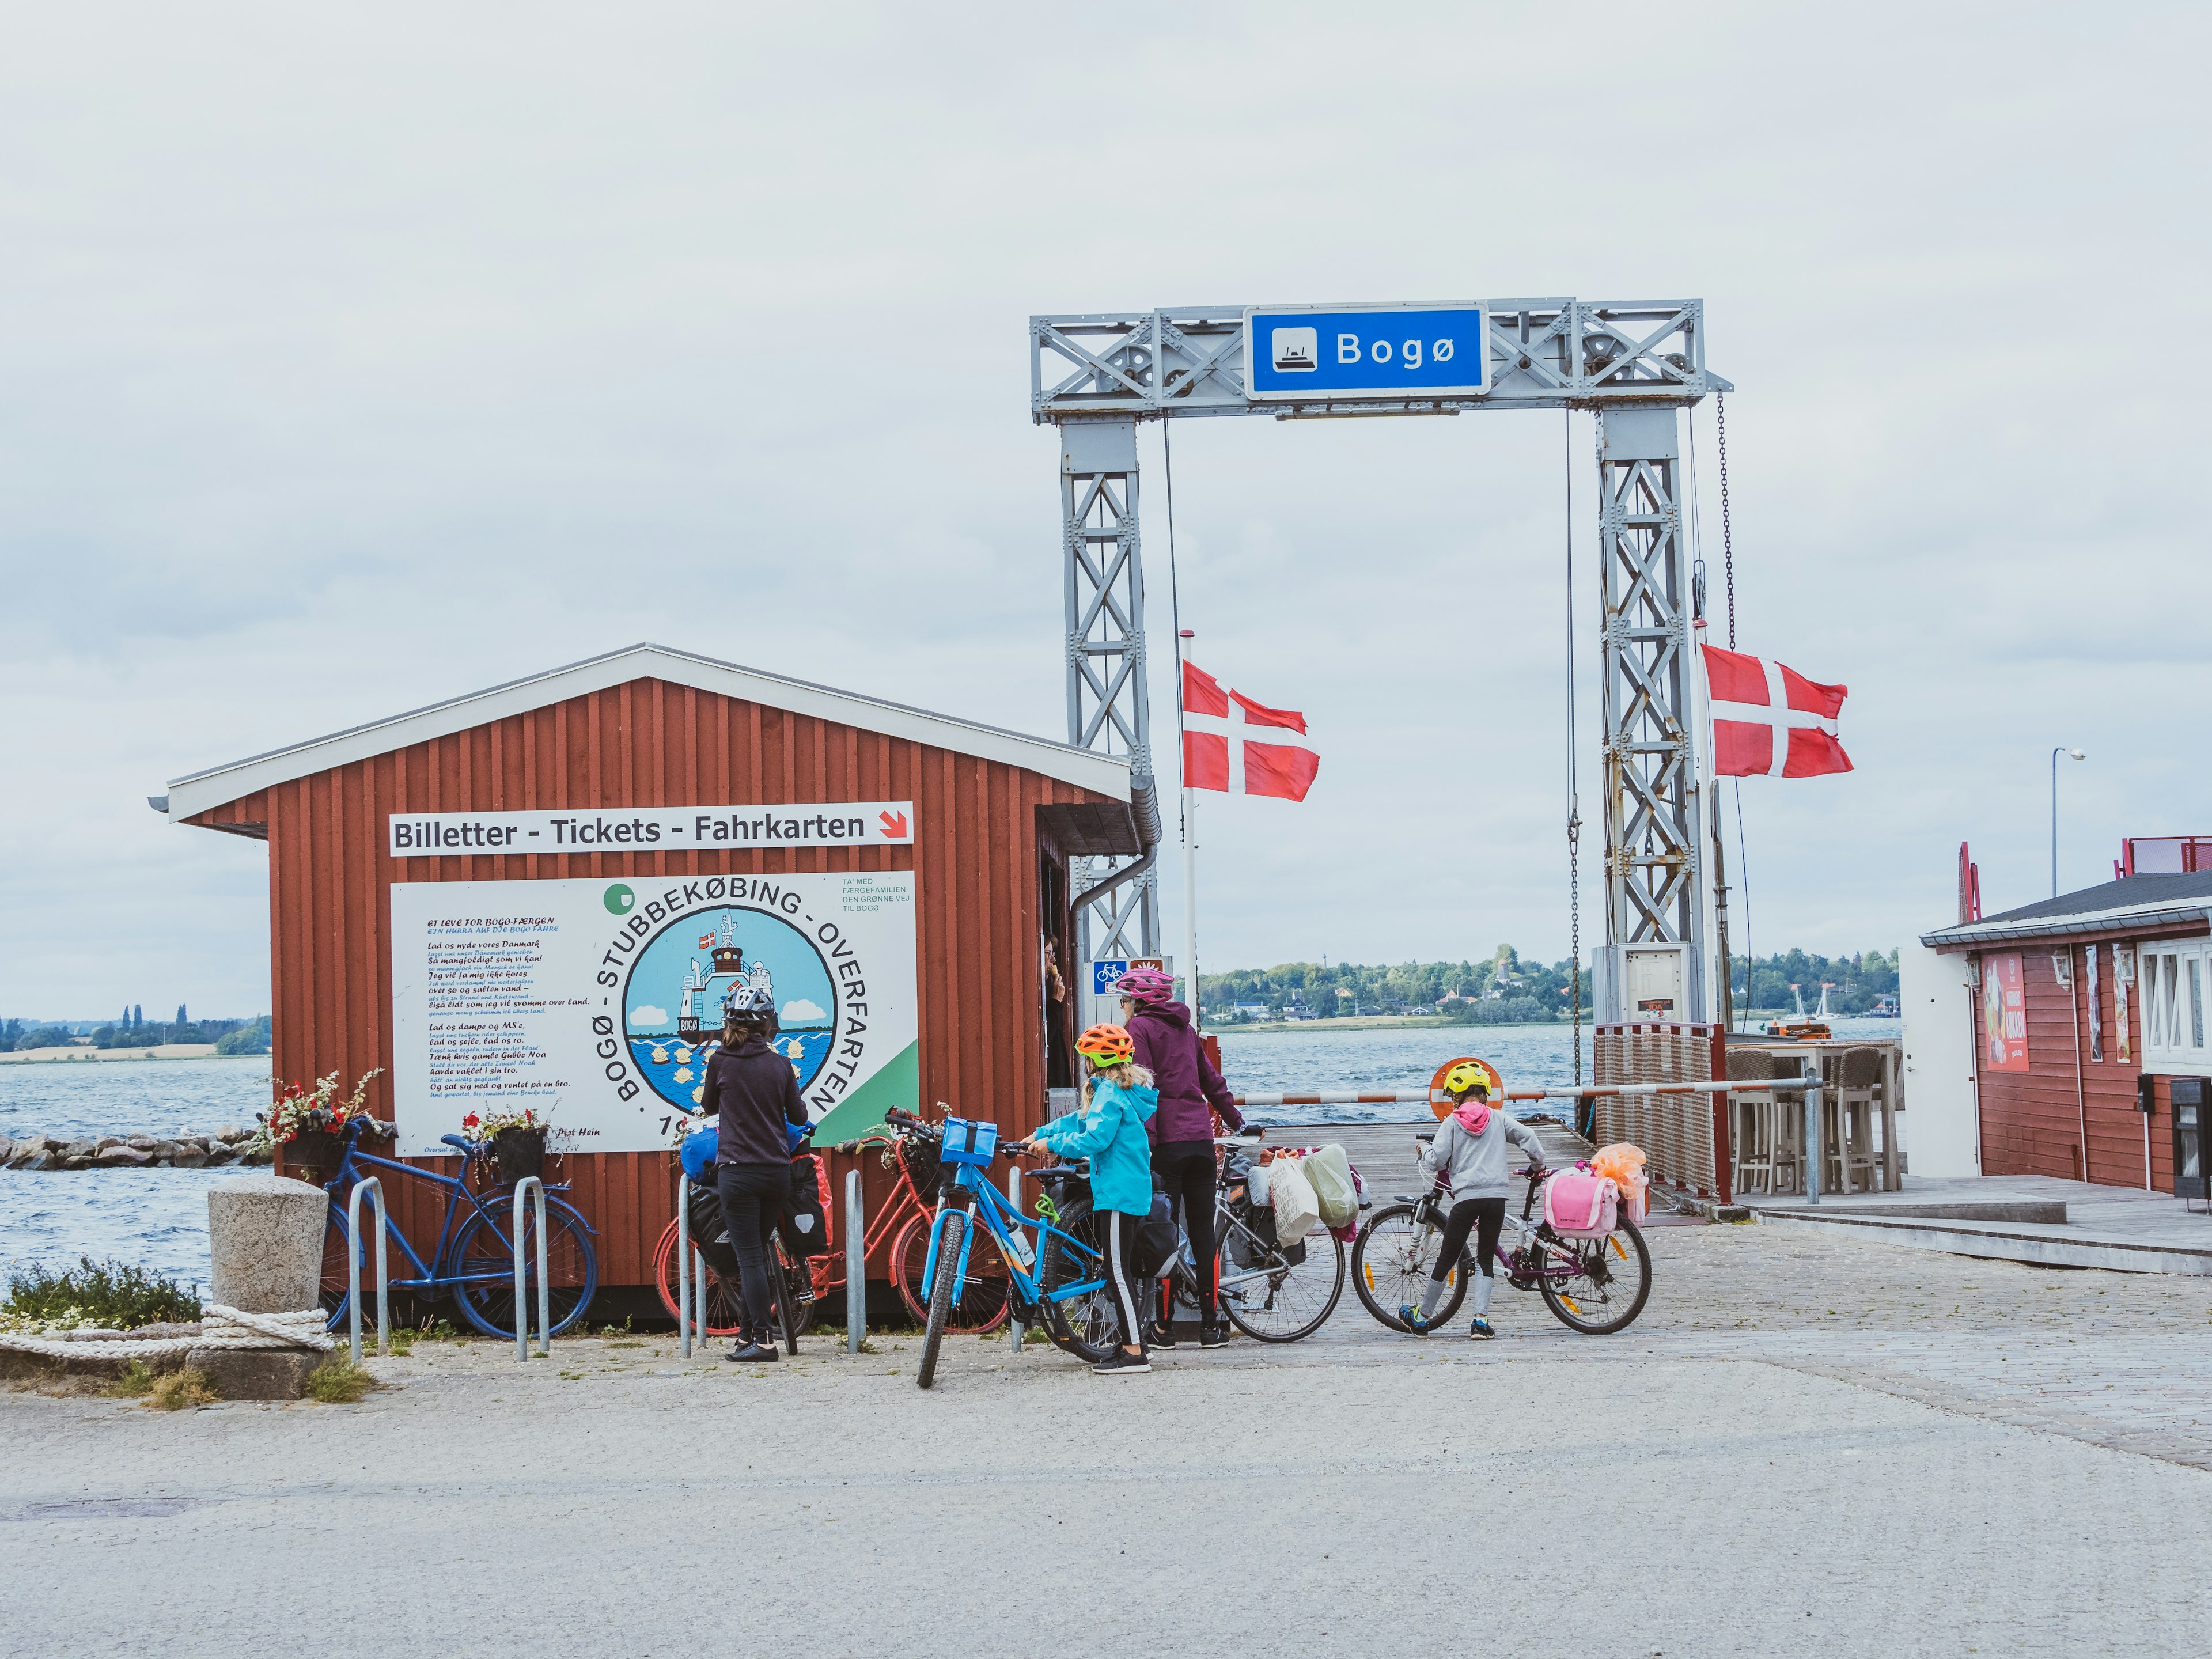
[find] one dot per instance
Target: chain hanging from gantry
(1108, 701)
(1652, 802)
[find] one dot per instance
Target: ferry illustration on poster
(598, 1002)
(672, 1003)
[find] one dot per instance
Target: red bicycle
(904, 1221)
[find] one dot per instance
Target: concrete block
(266, 1235)
(257, 1373)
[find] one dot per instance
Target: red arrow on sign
(893, 824)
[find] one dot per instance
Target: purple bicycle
(1594, 1286)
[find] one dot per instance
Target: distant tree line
(134, 1030)
(1501, 990)
(1506, 989)
(1856, 983)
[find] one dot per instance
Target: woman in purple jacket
(1182, 1130)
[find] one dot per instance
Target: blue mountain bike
(473, 1261)
(1058, 1283)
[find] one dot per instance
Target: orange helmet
(1106, 1045)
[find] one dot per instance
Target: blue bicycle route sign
(1298, 352)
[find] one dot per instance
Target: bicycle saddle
(461, 1141)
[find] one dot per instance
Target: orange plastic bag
(1622, 1163)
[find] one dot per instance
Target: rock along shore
(226, 1146)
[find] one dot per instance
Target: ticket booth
(540, 892)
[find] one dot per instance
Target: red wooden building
(2089, 1016)
(997, 816)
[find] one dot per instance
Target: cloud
(799, 1008)
(647, 1014)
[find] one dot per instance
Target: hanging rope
(1574, 794)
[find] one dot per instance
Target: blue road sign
(1106, 975)
(1297, 352)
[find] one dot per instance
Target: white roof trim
(2154, 914)
(196, 792)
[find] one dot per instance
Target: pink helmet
(1146, 985)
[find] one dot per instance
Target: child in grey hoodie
(1471, 1148)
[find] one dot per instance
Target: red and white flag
(1219, 753)
(1772, 721)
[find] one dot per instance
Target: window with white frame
(2173, 980)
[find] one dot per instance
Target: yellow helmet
(1467, 1075)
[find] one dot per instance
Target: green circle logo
(620, 900)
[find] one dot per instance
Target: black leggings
(1186, 1168)
(1486, 1217)
(753, 1196)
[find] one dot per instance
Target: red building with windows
(2090, 1030)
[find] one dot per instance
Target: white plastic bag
(1297, 1209)
(1329, 1173)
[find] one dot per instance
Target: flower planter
(312, 1155)
(518, 1154)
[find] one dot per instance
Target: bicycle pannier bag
(1295, 1207)
(1154, 1245)
(1330, 1172)
(806, 1228)
(708, 1234)
(1579, 1204)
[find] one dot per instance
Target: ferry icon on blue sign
(1295, 350)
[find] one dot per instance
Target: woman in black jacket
(752, 1092)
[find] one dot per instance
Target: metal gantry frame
(1636, 365)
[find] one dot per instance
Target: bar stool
(1751, 1117)
(1858, 1079)
(1789, 1119)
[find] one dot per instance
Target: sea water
(158, 1218)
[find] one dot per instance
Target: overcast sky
(353, 358)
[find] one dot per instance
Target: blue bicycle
(474, 1256)
(1059, 1283)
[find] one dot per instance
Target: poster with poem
(598, 1002)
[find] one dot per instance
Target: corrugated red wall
(649, 743)
(2032, 1121)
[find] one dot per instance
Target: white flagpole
(1189, 840)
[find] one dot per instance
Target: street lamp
(2054, 754)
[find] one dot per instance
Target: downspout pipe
(1145, 808)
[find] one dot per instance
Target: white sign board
(651, 829)
(598, 1002)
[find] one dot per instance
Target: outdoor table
(1828, 1054)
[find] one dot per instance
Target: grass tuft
(135, 1383)
(177, 1391)
(338, 1382)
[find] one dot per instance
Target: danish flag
(1772, 721)
(1217, 755)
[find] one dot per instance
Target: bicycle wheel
(1089, 1326)
(983, 1300)
(482, 1259)
(725, 1309)
(334, 1293)
(1610, 1283)
(1278, 1299)
(940, 1295)
(787, 1304)
(1392, 1261)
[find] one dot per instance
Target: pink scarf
(1474, 1115)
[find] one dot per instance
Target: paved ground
(1807, 1446)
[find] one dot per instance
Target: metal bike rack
(374, 1188)
(684, 1266)
(1014, 1198)
(856, 1266)
(527, 1187)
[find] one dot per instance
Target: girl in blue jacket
(1118, 1100)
